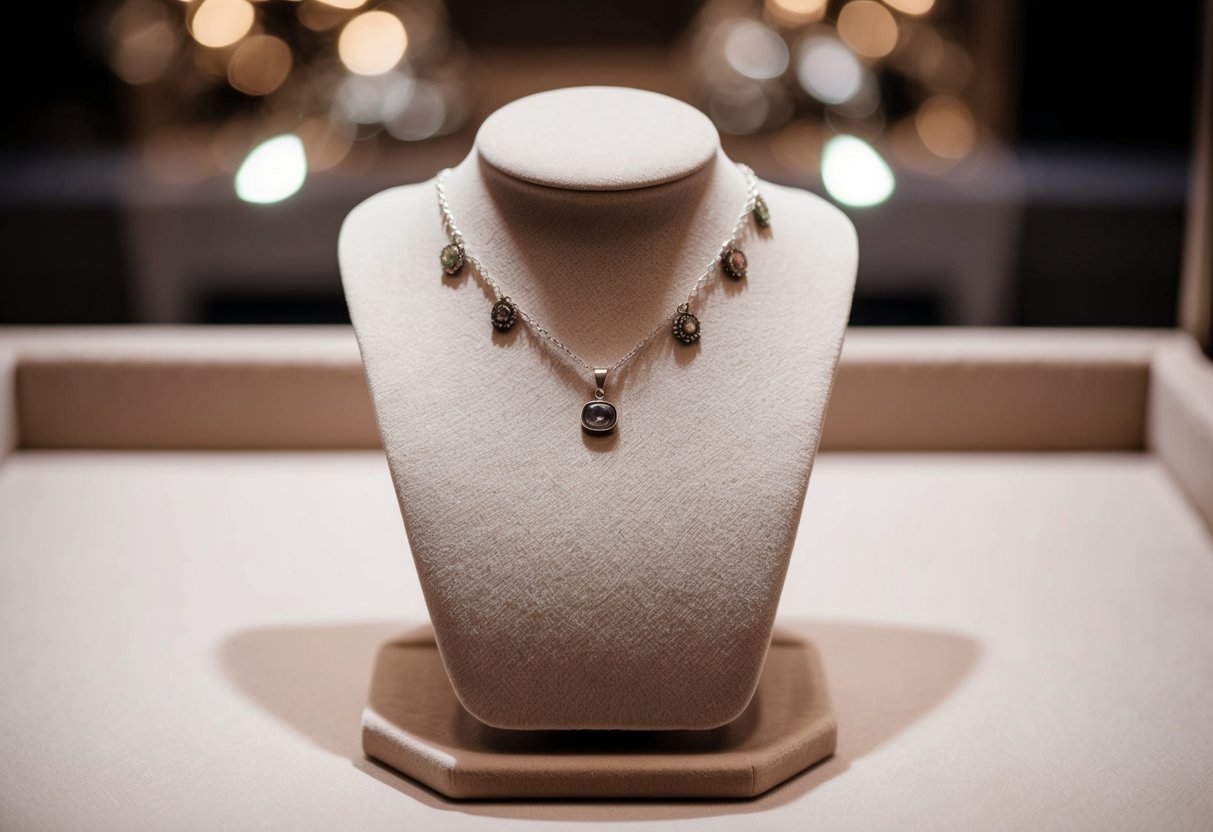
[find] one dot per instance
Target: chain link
(456, 236)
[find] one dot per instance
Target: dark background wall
(1099, 103)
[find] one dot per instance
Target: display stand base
(415, 724)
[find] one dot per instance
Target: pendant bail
(600, 374)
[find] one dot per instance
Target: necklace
(598, 416)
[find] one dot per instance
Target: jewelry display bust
(624, 580)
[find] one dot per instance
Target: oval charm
(734, 262)
(686, 328)
(452, 258)
(599, 416)
(504, 314)
(762, 213)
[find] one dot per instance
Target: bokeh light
(374, 99)
(142, 41)
(219, 23)
(423, 115)
(864, 104)
(738, 108)
(753, 50)
(260, 65)
(344, 76)
(828, 70)
(320, 17)
(915, 7)
(273, 171)
(854, 173)
(796, 12)
(325, 142)
(868, 28)
(946, 126)
(372, 43)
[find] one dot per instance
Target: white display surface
(1013, 642)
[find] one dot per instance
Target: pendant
(599, 416)
(734, 262)
(452, 258)
(503, 314)
(686, 325)
(762, 214)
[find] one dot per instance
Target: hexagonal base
(414, 724)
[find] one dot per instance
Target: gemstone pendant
(686, 325)
(734, 262)
(762, 213)
(599, 416)
(452, 258)
(504, 314)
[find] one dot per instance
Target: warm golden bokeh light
(946, 126)
(142, 41)
(868, 28)
(218, 23)
(260, 65)
(906, 146)
(372, 43)
(343, 4)
(795, 12)
(320, 17)
(911, 6)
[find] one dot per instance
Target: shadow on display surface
(881, 679)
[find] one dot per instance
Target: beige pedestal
(415, 724)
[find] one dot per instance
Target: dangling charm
(762, 214)
(452, 258)
(734, 263)
(686, 325)
(504, 314)
(599, 416)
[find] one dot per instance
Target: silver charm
(504, 314)
(762, 213)
(686, 325)
(734, 262)
(599, 415)
(452, 258)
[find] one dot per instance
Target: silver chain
(456, 236)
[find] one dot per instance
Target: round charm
(762, 214)
(599, 416)
(452, 258)
(504, 314)
(734, 263)
(686, 328)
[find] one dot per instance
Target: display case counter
(1005, 561)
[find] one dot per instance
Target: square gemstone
(598, 416)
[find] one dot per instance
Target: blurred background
(1011, 163)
